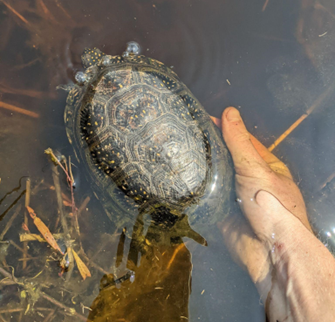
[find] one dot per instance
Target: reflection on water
(274, 64)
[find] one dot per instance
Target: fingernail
(233, 115)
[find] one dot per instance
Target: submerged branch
(15, 12)
(26, 204)
(68, 310)
(18, 110)
(316, 104)
(10, 221)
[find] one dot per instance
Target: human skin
(292, 270)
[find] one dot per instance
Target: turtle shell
(147, 143)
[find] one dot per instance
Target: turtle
(148, 145)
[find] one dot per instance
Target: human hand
(292, 270)
(261, 178)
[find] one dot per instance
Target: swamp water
(274, 61)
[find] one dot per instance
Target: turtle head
(91, 57)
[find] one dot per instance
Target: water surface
(273, 61)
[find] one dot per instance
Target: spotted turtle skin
(146, 142)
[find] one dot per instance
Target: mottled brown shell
(148, 144)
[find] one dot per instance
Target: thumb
(247, 160)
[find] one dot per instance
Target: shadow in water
(156, 281)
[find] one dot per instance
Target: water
(273, 64)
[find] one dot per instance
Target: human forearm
(302, 284)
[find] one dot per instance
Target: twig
(11, 310)
(6, 274)
(55, 176)
(265, 5)
(71, 186)
(2, 319)
(99, 268)
(44, 309)
(64, 11)
(35, 237)
(316, 104)
(26, 204)
(12, 204)
(328, 180)
(64, 196)
(71, 311)
(73, 204)
(28, 92)
(71, 264)
(68, 243)
(10, 221)
(20, 316)
(15, 12)
(28, 259)
(18, 109)
(55, 161)
(25, 92)
(91, 263)
(37, 187)
(16, 189)
(27, 199)
(19, 248)
(47, 318)
(319, 6)
(70, 180)
(84, 205)
(176, 251)
(47, 297)
(47, 12)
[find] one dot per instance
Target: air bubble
(132, 277)
(80, 77)
(105, 60)
(133, 48)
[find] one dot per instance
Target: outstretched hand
(267, 196)
(292, 270)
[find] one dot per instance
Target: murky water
(274, 61)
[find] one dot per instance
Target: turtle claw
(64, 87)
(184, 225)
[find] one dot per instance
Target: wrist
(286, 239)
(281, 245)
